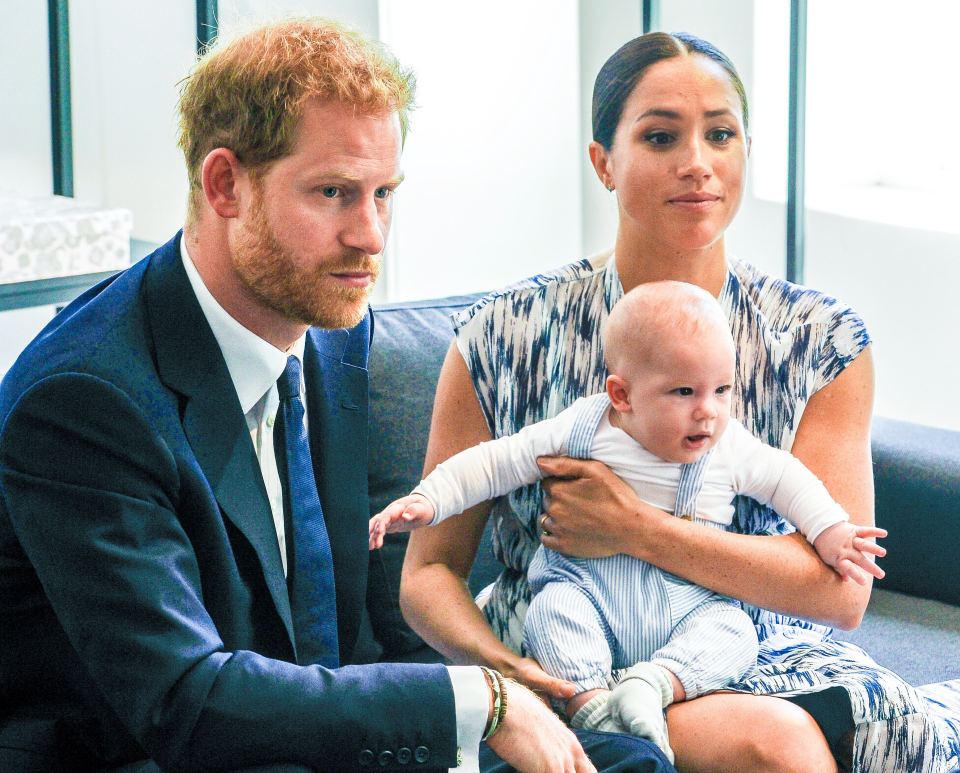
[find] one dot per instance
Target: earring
(610, 187)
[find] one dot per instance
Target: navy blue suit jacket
(143, 606)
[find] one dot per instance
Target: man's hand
(849, 549)
(407, 513)
(533, 739)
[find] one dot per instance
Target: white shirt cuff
(471, 697)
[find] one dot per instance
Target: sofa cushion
(911, 636)
(409, 344)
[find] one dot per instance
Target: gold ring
(543, 525)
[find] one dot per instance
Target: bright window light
(881, 114)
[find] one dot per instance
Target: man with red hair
(183, 500)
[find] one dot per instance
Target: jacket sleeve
(93, 495)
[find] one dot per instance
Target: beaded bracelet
(501, 683)
(496, 682)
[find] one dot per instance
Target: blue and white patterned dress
(534, 348)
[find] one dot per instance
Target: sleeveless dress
(533, 348)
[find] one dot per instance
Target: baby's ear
(618, 393)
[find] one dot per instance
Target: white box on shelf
(52, 236)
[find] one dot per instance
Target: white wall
(361, 14)
(600, 35)
(125, 69)
(492, 189)
(904, 283)
(25, 163)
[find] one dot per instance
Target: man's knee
(619, 753)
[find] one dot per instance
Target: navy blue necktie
(313, 598)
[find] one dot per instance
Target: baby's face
(681, 398)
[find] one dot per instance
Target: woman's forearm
(593, 513)
(780, 573)
(436, 601)
(434, 596)
(437, 604)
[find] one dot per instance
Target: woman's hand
(587, 508)
(528, 672)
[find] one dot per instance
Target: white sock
(637, 703)
(595, 715)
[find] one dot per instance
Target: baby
(663, 425)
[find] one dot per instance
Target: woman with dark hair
(670, 125)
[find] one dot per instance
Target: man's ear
(601, 164)
(221, 175)
(618, 393)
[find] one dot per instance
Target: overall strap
(585, 426)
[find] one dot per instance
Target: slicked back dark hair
(621, 72)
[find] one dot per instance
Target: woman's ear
(618, 393)
(220, 177)
(601, 164)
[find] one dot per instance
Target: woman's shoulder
(798, 327)
(581, 277)
(785, 304)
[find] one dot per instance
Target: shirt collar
(254, 364)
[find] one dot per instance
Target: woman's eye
(659, 138)
(721, 136)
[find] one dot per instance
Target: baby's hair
(653, 313)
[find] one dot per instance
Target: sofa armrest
(917, 482)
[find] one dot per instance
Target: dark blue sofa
(913, 622)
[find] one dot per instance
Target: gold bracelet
(494, 680)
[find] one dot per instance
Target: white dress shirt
(254, 366)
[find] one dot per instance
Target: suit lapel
(336, 379)
(189, 361)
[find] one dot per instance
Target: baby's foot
(595, 715)
(637, 704)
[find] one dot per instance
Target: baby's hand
(847, 548)
(405, 514)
